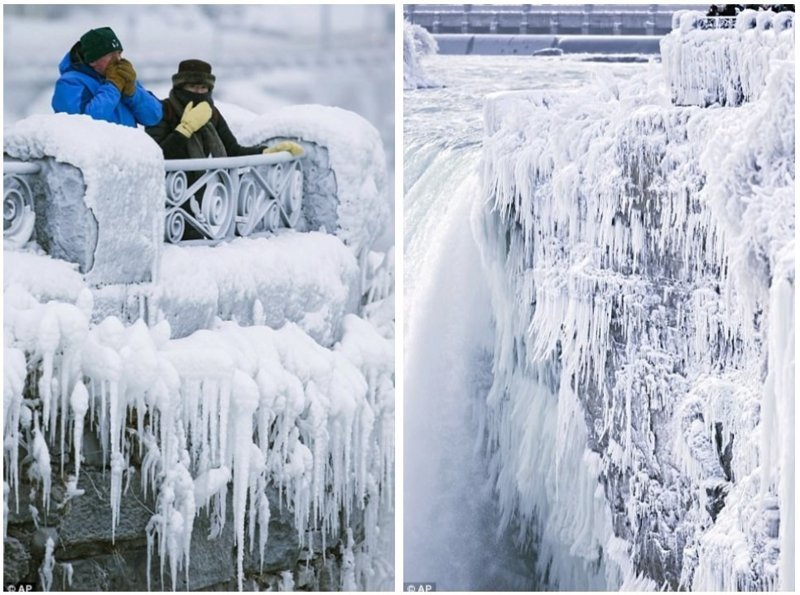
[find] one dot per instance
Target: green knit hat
(96, 43)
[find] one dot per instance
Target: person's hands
(286, 145)
(115, 77)
(125, 68)
(194, 118)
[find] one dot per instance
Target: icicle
(41, 456)
(348, 565)
(244, 404)
(6, 490)
(287, 581)
(48, 563)
(259, 317)
(79, 402)
(66, 574)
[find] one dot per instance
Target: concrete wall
(491, 45)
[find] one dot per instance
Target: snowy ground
(447, 320)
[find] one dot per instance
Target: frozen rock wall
(131, 450)
(641, 262)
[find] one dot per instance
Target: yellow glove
(194, 118)
(115, 77)
(285, 145)
(125, 69)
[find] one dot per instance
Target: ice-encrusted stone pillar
(100, 197)
(351, 203)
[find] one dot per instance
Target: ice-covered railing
(724, 60)
(103, 193)
(18, 213)
(239, 195)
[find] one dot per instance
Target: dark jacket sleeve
(172, 143)
(232, 146)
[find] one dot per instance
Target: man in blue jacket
(97, 81)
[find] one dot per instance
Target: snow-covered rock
(640, 259)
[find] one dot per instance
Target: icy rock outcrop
(108, 214)
(354, 151)
(252, 408)
(724, 66)
(417, 42)
(640, 259)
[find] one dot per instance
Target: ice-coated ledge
(725, 66)
(310, 279)
(104, 203)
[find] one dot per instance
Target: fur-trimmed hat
(194, 72)
(96, 43)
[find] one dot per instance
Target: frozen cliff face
(417, 42)
(251, 408)
(640, 258)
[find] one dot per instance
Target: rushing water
(451, 534)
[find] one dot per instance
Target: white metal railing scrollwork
(18, 212)
(227, 196)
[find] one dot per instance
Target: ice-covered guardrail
(724, 60)
(18, 213)
(238, 195)
(101, 199)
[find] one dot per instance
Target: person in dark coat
(193, 127)
(97, 81)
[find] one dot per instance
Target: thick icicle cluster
(724, 66)
(417, 42)
(249, 407)
(640, 258)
